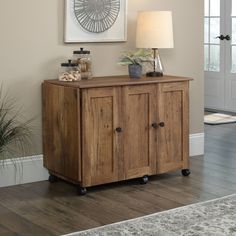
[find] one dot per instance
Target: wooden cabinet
(115, 128)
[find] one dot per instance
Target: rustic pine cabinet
(114, 128)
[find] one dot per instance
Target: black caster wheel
(52, 178)
(186, 172)
(82, 191)
(144, 179)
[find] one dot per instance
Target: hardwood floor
(54, 209)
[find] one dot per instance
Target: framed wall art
(95, 21)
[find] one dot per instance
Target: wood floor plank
(112, 210)
(43, 212)
(13, 224)
(4, 230)
(141, 200)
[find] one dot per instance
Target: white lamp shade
(154, 29)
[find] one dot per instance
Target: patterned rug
(218, 119)
(212, 218)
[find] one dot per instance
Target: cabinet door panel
(100, 142)
(139, 112)
(173, 137)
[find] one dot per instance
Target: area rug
(219, 118)
(212, 218)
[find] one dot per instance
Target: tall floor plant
(15, 133)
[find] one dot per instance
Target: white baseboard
(196, 144)
(30, 169)
(23, 170)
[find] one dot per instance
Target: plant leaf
(15, 136)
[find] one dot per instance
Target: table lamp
(154, 31)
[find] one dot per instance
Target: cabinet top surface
(106, 81)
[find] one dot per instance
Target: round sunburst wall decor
(96, 16)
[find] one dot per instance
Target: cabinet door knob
(162, 124)
(119, 129)
(155, 125)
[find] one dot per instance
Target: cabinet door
(100, 142)
(173, 138)
(139, 137)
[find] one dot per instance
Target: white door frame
(220, 87)
(230, 78)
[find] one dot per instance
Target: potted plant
(134, 60)
(15, 136)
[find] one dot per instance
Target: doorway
(220, 54)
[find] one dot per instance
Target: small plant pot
(135, 71)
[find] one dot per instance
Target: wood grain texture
(173, 110)
(110, 81)
(61, 141)
(100, 142)
(14, 224)
(139, 137)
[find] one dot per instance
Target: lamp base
(154, 74)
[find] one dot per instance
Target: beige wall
(31, 49)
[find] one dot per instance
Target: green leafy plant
(137, 57)
(15, 135)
